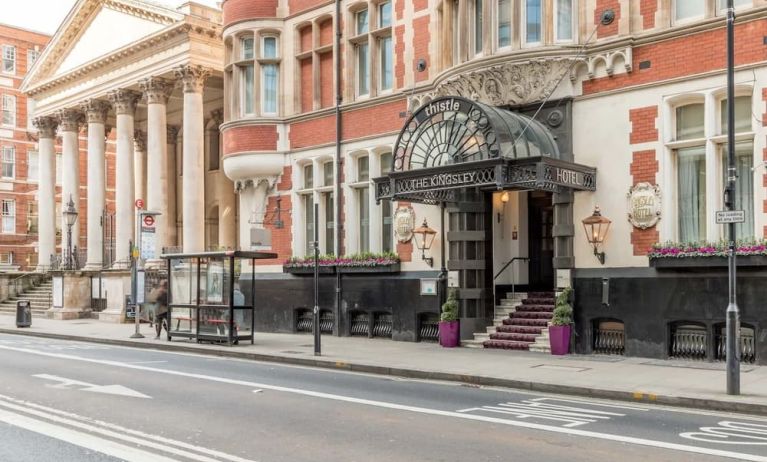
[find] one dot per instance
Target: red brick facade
(241, 10)
(647, 9)
(250, 138)
(612, 28)
(281, 237)
(421, 41)
(644, 168)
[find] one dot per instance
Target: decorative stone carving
(608, 58)
(124, 101)
(404, 223)
(242, 185)
(192, 77)
(46, 126)
(172, 134)
(156, 90)
(70, 120)
(644, 205)
(139, 139)
(95, 110)
(507, 84)
(217, 116)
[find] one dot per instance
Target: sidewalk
(691, 384)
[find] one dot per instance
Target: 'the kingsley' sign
(440, 180)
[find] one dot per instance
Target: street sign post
(730, 216)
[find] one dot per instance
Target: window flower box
(674, 255)
(358, 263)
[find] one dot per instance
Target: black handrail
(507, 265)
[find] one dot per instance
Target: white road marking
(536, 409)
(385, 405)
(146, 362)
(81, 439)
(135, 437)
(118, 390)
(729, 432)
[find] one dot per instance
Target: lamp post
(424, 239)
(596, 227)
(70, 217)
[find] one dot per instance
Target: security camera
(421, 65)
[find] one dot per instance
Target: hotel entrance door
(541, 242)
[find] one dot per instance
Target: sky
(27, 13)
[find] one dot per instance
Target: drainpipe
(337, 186)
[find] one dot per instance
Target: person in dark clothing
(161, 307)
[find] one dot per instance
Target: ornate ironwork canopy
(453, 142)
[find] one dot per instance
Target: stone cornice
(192, 27)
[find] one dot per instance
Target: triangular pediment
(109, 30)
(96, 28)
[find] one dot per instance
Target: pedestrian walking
(159, 296)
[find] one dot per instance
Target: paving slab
(691, 384)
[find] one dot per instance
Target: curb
(478, 380)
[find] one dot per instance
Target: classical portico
(157, 79)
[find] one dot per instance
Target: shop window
(9, 59)
(9, 162)
(9, 216)
(9, 110)
(504, 23)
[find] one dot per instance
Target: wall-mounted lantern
(596, 227)
(424, 239)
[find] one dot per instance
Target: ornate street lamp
(70, 217)
(424, 239)
(596, 227)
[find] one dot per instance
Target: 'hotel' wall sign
(644, 205)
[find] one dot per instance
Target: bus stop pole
(134, 277)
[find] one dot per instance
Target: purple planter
(559, 338)
(449, 334)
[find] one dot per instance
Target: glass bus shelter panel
(183, 281)
(183, 321)
(214, 322)
(215, 281)
(243, 321)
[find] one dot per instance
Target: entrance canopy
(453, 142)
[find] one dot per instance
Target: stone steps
(526, 328)
(39, 298)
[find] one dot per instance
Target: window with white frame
(735, 3)
(504, 23)
(386, 64)
(327, 173)
(362, 193)
(9, 110)
(700, 178)
(362, 53)
(8, 167)
(32, 56)
(564, 20)
(384, 14)
(308, 203)
(327, 200)
(308, 176)
(246, 69)
(9, 216)
(688, 9)
(6, 257)
(387, 219)
(33, 166)
(323, 191)
(269, 74)
(9, 59)
(32, 217)
(533, 21)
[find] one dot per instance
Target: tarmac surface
(699, 385)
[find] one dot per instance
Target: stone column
(139, 166)
(156, 92)
(193, 79)
(69, 124)
(96, 113)
(124, 102)
(171, 238)
(46, 193)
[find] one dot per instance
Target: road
(69, 401)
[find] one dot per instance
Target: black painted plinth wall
(280, 296)
(649, 301)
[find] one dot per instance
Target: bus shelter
(211, 295)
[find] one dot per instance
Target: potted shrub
(561, 323)
(449, 326)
